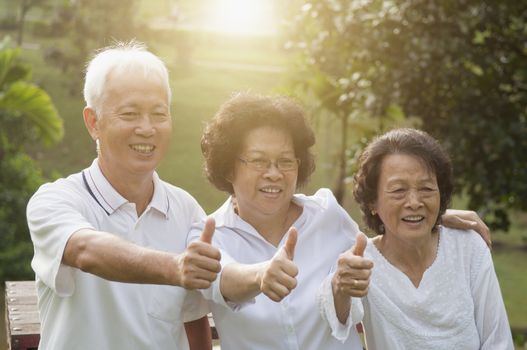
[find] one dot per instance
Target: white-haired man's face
(133, 125)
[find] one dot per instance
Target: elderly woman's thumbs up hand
(279, 277)
(352, 276)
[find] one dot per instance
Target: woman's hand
(278, 277)
(466, 220)
(352, 277)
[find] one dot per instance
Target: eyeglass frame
(250, 163)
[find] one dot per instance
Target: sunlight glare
(241, 16)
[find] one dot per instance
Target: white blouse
(324, 231)
(458, 304)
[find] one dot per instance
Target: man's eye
(129, 114)
(160, 116)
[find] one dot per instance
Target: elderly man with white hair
(117, 221)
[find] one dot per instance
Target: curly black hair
(224, 135)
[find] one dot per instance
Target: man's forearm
(113, 258)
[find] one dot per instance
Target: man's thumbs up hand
(199, 264)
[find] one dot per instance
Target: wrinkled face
(133, 125)
(261, 194)
(408, 197)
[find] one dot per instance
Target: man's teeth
(413, 218)
(270, 190)
(143, 148)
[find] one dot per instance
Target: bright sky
(245, 17)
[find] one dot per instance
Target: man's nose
(145, 126)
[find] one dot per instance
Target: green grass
(510, 267)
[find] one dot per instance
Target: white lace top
(458, 304)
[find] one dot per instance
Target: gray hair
(120, 57)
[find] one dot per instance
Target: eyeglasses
(262, 164)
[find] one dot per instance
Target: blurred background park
(457, 69)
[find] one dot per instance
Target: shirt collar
(160, 200)
(110, 200)
(225, 215)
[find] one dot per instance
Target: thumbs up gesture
(278, 277)
(352, 276)
(199, 264)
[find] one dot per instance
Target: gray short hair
(120, 57)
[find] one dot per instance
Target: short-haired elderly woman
(431, 287)
(258, 149)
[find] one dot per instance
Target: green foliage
(26, 111)
(26, 115)
(458, 66)
(19, 178)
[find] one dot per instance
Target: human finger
(360, 244)
(208, 231)
(290, 244)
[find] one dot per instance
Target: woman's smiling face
(264, 193)
(408, 197)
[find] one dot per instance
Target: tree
(89, 25)
(460, 67)
(26, 115)
(25, 6)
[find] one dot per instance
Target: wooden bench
(21, 316)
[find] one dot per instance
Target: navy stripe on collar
(91, 193)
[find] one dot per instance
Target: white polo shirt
(324, 231)
(82, 311)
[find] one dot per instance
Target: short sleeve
(53, 215)
(176, 305)
(327, 310)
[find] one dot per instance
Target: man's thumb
(208, 231)
(290, 244)
(360, 244)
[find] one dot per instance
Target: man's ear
(90, 120)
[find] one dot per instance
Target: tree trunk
(24, 7)
(340, 188)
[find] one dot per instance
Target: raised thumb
(290, 244)
(208, 231)
(360, 244)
